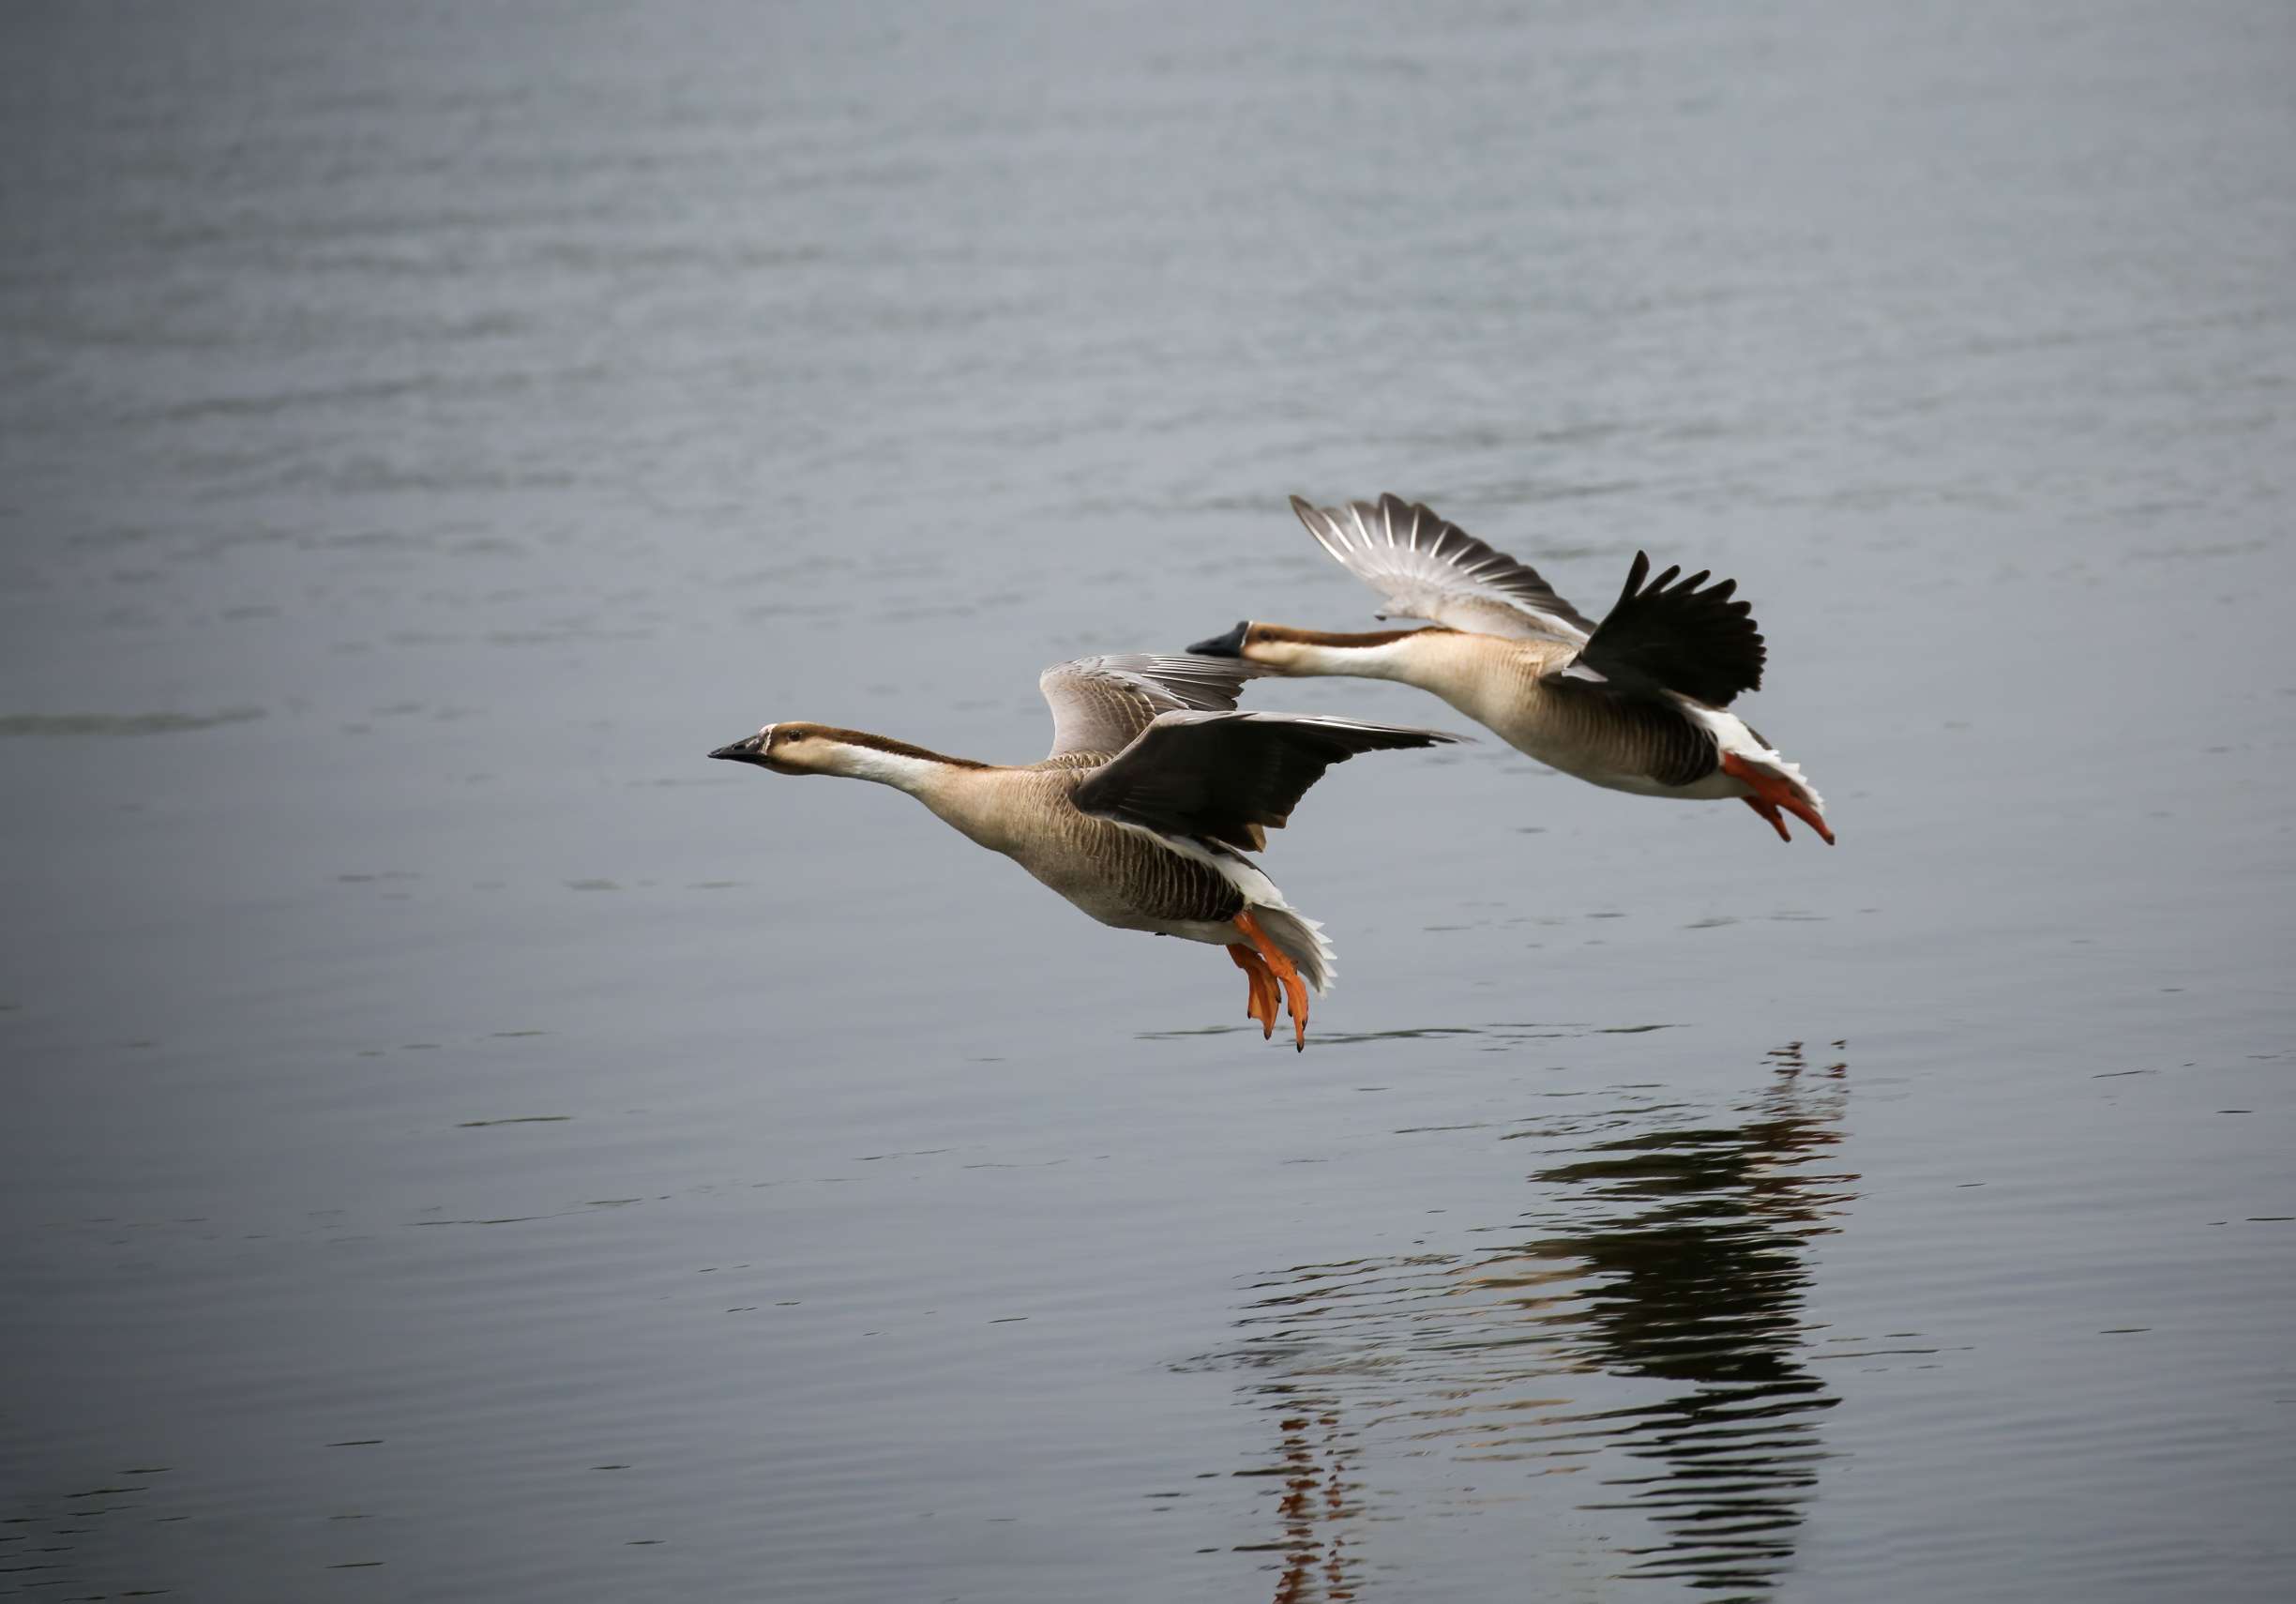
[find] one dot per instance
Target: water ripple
(121, 723)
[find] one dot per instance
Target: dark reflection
(1699, 1279)
(1648, 1335)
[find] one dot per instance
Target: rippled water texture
(459, 1144)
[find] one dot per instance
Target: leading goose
(1141, 815)
(1635, 703)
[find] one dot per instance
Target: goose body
(1142, 814)
(1637, 702)
(1128, 878)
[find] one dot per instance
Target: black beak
(741, 751)
(1228, 645)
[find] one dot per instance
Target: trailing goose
(1142, 813)
(1637, 702)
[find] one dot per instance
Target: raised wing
(1100, 704)
(1224, 777)
(1673, 636)
(1427, 567)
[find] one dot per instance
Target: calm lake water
(461, 1143)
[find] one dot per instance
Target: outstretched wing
(1223, 778)
(1673, 636)
(1100, 704)
(1427, 567)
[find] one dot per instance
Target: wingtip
(1635, 573)
(1323, 524)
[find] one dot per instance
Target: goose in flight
(1142, 815)
(1637, 702)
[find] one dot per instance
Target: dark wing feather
(1100, 704)
(1220, 777)
(1671, 635)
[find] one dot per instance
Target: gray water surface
(461, 1143)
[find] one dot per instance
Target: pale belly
(1119, 914)
(1712, 788)
(1594, 756)
(1174, 904)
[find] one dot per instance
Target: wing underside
(1426, 567)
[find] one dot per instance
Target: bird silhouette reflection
(1644, 1329)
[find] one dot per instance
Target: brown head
(793, 748)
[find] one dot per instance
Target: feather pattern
(1136, 875)
(1300, 938)
(1100, 704)
(1427, 567)
(1670, 635)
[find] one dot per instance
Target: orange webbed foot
(1285, 971)
(1260, 1004)
(1768, 810)
(1773, 791)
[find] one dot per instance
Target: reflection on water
(1647, 1332)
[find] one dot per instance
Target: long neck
(1406, 655)
(966, 796)
(1487, 677)
(903, 772)
(921, 773)
(862, 756)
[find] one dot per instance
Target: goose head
(1252, 642)
(798, 748)
(793, 748)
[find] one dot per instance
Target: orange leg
(1773, 791)
(1768, 810)
(1260, 1004)
(1295, 990)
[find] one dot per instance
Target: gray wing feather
(1428, 567)
(1100, 704)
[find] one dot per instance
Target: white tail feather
(1301, 940)
(1299, 937)
(1734, 734)
(1793, 772)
